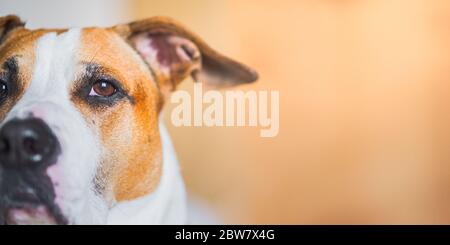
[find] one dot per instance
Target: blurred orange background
(364, 110)
(364, 128)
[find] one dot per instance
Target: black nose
(27, 142)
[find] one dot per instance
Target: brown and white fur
(117, 164)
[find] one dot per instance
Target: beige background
(364, 130)
(365, 119)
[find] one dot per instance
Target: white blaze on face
(48, 97)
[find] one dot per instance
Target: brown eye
(103, 88)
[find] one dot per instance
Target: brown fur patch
(20, 45)
(131, 158)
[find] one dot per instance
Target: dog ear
(7, 24)
(175, 53)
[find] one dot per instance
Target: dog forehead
(56, 59)
(109, 50)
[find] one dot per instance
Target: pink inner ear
(143, 45)
(165, 50)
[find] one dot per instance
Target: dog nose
(27, 142)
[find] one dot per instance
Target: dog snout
(27, 143)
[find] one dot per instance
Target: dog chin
(30, 216)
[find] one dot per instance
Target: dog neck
(166, 205)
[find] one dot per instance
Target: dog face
(79, 112)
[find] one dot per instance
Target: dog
(81, 140)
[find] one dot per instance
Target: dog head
(79, 113)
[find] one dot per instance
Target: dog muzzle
(28, 148)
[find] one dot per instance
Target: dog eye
(103, 88)
(3, 89)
